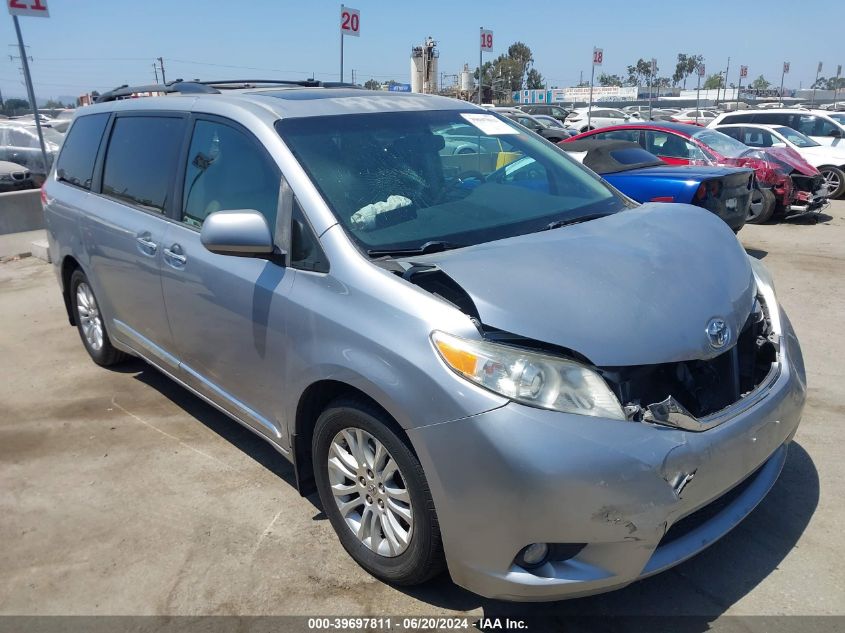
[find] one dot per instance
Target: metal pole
(727, 70)
(782, 75)
(813, 102)
(341, 49)
(697, 94)
(161, 63)
(650, 83)
(836, 85)
(590, 105)
(480, 69)
(155, 70)
(739, 88)
(31, 93)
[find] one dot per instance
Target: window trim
(99, 167)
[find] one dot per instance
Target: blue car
(642, 176)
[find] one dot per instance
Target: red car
(785, 182)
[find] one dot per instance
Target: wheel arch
(313, 401)
(69, 264)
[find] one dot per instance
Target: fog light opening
(533, 555)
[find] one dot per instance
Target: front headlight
(535, 379)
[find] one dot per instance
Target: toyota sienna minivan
(487, 360)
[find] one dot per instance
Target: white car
(826, 128)
(697, 117)
(600, 117)
(830, 161)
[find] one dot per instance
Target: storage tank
(424, 67)
(467, 81)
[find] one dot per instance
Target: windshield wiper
(583, 218)
(425, 249)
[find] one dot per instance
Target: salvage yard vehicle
(19, 144)
(823, 127)
(776, 169)
(724, 191)
(517, 373)
(554, 134)
(13, 177)
(581, 120)
(828, 159)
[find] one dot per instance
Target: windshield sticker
(489, 124)
(365, 217)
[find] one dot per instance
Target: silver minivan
(486, 359)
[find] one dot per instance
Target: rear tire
(388, 526)
(834, 179)
(90, 322)
(762, 206)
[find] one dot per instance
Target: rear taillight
(662, 199)
(43, 194)
(701, 192)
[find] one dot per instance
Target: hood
(635, 288)
(793, 159)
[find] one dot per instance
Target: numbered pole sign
(653, 65)
(743, 71)
(32, 8)
(701, 70)
(785, 68)
(819, 69)
(350, 21)
(486, 40)
(598, 56)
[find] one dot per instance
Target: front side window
(669, 145)
(76, 162)
(227, 170)
(141, 159)
(795, 137)
(620, 135)
(399, 180)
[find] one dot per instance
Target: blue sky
(88, 44)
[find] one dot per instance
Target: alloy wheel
(370, 492)
(89, 316)
(831, 180)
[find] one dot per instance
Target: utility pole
(155, 70)
(31, 92)
(725, 93)
(161, 64)
(353, 76)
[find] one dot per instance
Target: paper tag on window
(489, 124)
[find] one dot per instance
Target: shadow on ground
(705, 586)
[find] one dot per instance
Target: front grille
(19, 175)
(702, 387)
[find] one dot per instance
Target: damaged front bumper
(628, 499)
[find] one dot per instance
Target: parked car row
(785, 183)
(19, 144)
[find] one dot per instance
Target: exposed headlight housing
(766, 287)
(532, 378)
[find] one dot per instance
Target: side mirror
(243, 232)
(836, 134)
(778, 144)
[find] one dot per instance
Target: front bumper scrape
(517, 475)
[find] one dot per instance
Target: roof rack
(212, 87)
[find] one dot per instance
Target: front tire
(762, 206)
(90, 322)
(834, 178)
(375, 494)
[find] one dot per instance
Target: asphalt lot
(121, 493)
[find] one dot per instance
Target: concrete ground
(122, 493)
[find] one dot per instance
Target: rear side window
(141, 159)
(79, 151)
(737, 118)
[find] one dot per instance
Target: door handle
(147, 246)
(174, 257)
